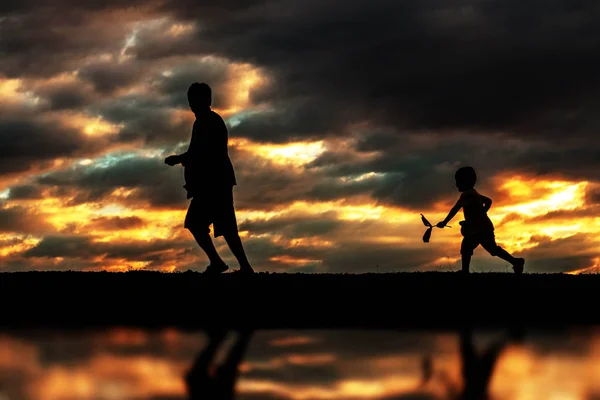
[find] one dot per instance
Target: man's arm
(177, 159)
(451, 214)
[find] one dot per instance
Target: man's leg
(235, 244)
(227, 226)
(198, 222)
(205, 242)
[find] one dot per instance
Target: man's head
(199, 96)
(465, 178)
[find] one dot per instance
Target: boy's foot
(518, 266)
(215, 269)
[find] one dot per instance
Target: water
(128, 364)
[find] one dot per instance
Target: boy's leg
(489, 243)
(469, 243)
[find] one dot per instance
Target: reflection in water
(385, 365)
(207, 380)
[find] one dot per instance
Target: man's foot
(215, 269)
(518, 266)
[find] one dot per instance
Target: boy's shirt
(207, 162)
(476, 218)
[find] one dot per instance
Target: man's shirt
(207, 163)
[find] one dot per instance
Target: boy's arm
(451, 214)
(487, 203)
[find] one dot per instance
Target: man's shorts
(487, 240)
(214, 207)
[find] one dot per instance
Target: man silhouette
(209, 181)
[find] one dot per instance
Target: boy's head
(199, 96)
(465, 178)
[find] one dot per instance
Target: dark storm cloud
(143, 118)
(157, 184)
(303, 119)
(422, 64)
(27, 141)
(116, 223)
(44, 40)
(362, 256)
(299, 225)
(19, 220)
(64, 95)
(182, 74)
(24, 192)
(415, 65)
(263, 184)
(559, 255)
(593, 194)
(69, 246)
(107, 76)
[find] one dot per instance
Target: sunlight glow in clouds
(297, 153)
(550, 196)
(13, 244)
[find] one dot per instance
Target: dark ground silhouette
(296, 301)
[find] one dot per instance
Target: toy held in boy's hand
(430, 227)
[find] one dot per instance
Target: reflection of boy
(477, 228)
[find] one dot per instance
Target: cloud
(559, 255)
(154, 182)
(107, 76)
(115, 223)
(75, 246)
(22, 220)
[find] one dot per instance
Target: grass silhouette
(437, 300)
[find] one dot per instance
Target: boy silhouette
(209, 181)
(477, 228)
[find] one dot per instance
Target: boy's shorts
(215, 208)
(487, 240)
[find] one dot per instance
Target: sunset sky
(347, 119)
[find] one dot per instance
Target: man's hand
(441, 224)
(172, 160)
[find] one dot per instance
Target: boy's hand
(441, 224)
(172, 160)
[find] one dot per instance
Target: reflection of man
(206, 382)
(209, 181)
